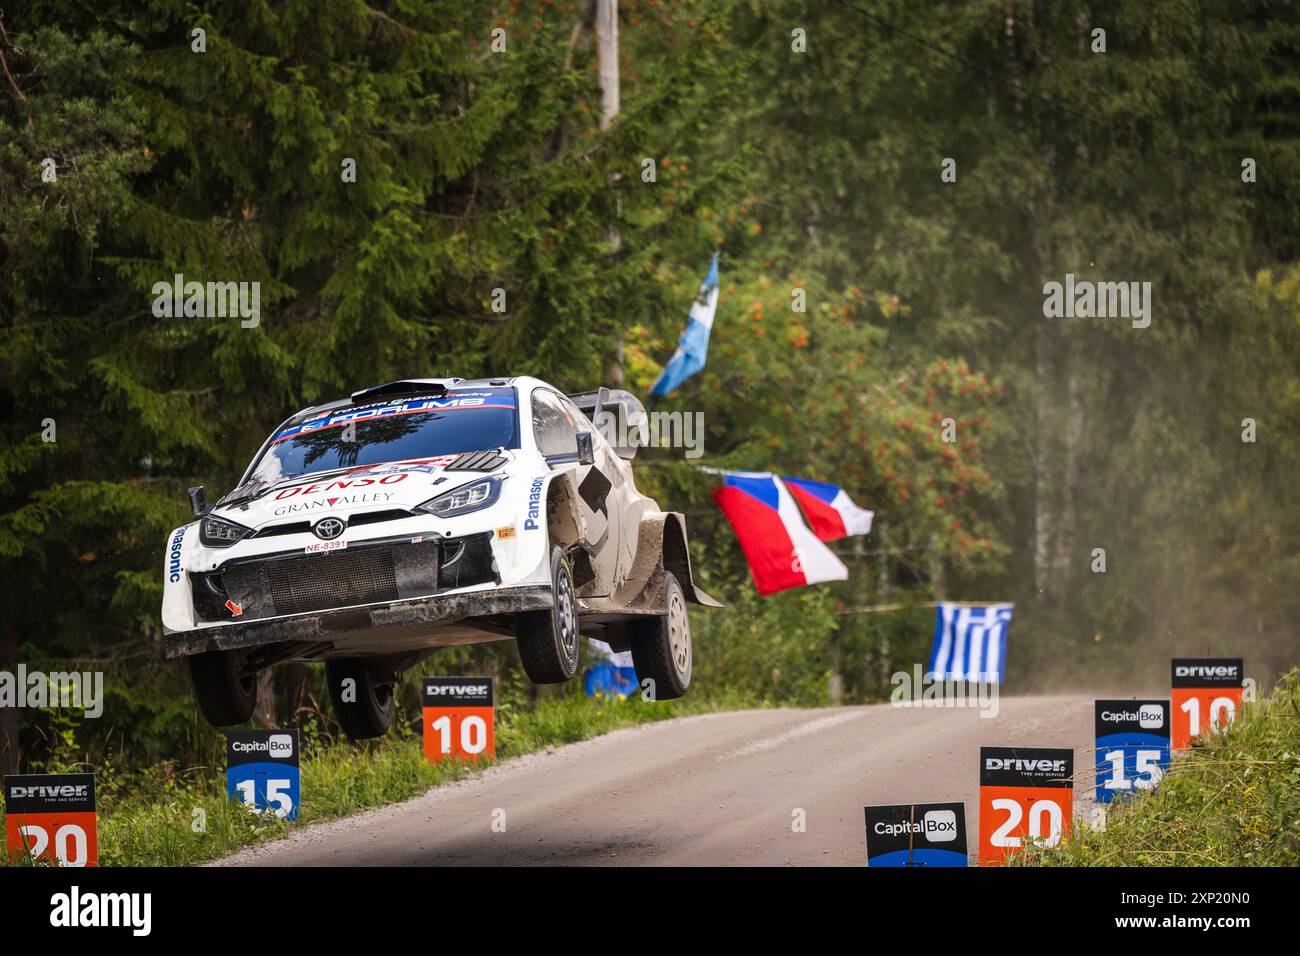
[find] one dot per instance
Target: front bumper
(419, 615)
(289, 582)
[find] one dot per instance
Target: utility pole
(607, 65)
(885, 587)
(607, 59)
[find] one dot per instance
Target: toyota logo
(327, 529)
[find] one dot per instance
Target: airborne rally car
(370, 531)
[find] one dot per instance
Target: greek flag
(970, 643)
(693, 346)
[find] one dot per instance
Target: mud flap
(663, 546)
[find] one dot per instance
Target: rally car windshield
(400, 430)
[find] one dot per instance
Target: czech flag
(829, 509)
(781, 551)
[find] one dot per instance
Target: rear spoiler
(590, 403)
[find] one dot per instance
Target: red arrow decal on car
(234, 609)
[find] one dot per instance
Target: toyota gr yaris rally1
(370, 531)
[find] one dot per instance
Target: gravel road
(718, 789)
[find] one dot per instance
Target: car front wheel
(363, 705)
(225, 687)
(548, 640)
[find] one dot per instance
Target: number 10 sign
(1207, 694)
(458, 719)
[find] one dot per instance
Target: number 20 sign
(458, 719)
(51, 816)
(1207, 694)
(1026, 797)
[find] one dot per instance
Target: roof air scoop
(423, 386)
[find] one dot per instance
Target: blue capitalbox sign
(1132, 746)
(262, 771)
(916, 834)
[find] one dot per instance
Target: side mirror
(586, 449)
(198, 503)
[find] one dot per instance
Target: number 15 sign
(458, 719)
(263, 771)
(1132, 746)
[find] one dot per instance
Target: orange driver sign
(1026, 798)
(1206, 696)
(51, 816)
(458, 719)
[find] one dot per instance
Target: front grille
(289, 527)
(315, 582)
(372, 517)
(381, 573)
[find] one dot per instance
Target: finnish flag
(970, 643)
(693, 346)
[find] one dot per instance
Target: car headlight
(472, 497)
(220, 533)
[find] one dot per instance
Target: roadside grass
(153, 819)
(1233, 801)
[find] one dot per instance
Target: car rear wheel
(225, 687)
(363, 704)
(661, 645)
(548, 640)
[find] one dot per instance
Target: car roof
(377, 392)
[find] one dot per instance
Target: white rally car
(370, 531)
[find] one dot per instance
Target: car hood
(383, 487)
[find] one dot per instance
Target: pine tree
(379, 170)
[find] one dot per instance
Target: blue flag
(612, 675)
(693, 346)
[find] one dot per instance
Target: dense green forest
(915, 172)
